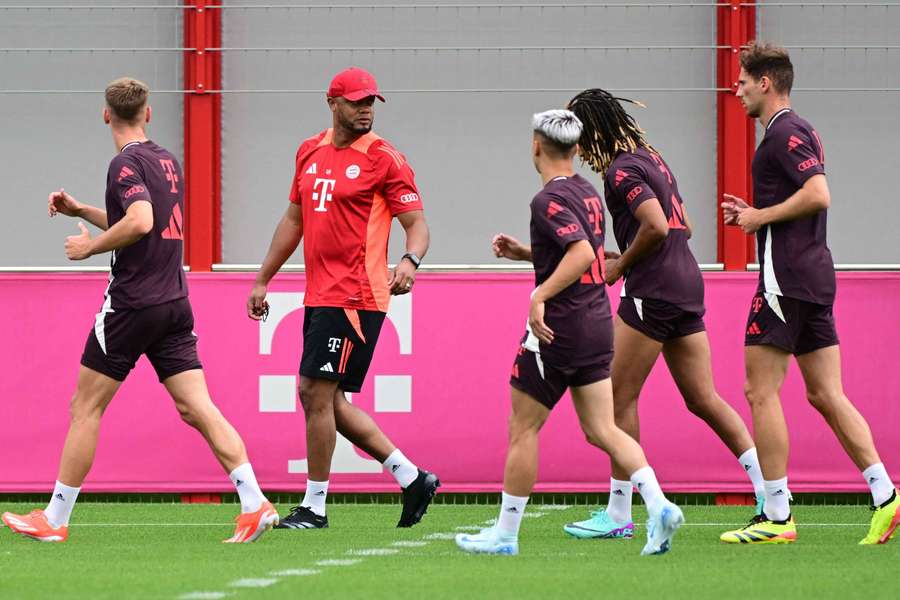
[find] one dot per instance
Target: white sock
(879, 482)
(248, 490)
(316, 493)
(644, 479)
(401, 468)
(511, 510)
(777, 507)
(61, 504)
(750, 462)
(619, 506)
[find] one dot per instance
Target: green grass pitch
(172, 551)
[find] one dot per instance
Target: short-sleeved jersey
(348, 197)
(671, 273)
(148, 272)
(567, 210)
(793, 256)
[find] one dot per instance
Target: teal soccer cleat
(600, 526)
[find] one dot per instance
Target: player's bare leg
(358, 427)
(690, 363)
(192, 400)
(525, 422)
(92, 395)
(821, 372)
(191, 396)
(766, 367)
(519, 475)
(633, 359)
(317, 397)
(594, 405)
(419, 487)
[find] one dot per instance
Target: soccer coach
(348, 186)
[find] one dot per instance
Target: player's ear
(332, 103)
(106, 117)
(765, 83)
(148, 114)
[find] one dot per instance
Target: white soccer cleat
(488, 541)
(661, 528)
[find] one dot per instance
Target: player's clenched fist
(62, 202)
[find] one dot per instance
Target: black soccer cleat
(416, 498)
(302, 517)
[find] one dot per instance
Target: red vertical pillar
(202, 135)
(736, 26)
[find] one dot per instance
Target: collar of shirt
(776, 115)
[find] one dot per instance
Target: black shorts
(338, 344)
(547, 383)
(793, 325)
(165, 333)
(658, 319)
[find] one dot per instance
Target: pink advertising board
(438, 387)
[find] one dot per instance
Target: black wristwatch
(415, 260)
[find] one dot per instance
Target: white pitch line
(253, 583)
(203, 595)
(553, 507)
(295, 572)
(440, 536)
(409, 544)
(338, 562)
(533, 515)
(468, 528)
(373, 552)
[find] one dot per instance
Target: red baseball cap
(354, 84)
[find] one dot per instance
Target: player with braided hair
(661, 311)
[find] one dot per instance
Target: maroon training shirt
(671, 273)
(568, 210)
(149, 272)
(794, 258)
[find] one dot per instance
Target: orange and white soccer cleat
(36, 526)
(250, 526)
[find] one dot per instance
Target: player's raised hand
(257, 307)
(731, 207)
(506, 246)
(536, 322)
(78, 247)
(63, 203)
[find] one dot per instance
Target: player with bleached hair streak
(568, 342)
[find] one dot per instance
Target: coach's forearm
(126, 232)
(417, 235)
(577, 260)
(284, 242)
(93, 215)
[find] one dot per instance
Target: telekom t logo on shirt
(322, 189)
(168, 166)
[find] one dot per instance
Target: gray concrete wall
(858, 129)
(470, 147)
(48, 141)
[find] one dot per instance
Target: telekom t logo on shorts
(322, 189)
(390, 394)
(168, 166)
